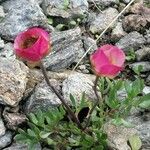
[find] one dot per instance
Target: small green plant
(52, 129)
(130, 55)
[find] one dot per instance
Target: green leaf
(33, 118)
(145, 101)
(60, 26)
(50, 21)
(66, 4)
(44, 134)
(73, 100)
(72, 23)
(135, 142)
(50, 141)
(121, 121)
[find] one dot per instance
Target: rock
(83, 69)
(103, 20)
(147, 36)
(118, 136)
(134, 22)
(142, 125)
(42, 97)
(13, 79)
(132, 40)
(5, 140)
(76, 84)
(126, 1)
(2, 127)
(2, 14)
(146, 90)
(145, 65)
(65, 10)
(1, 44)
(19, 146)
(19, 18)
(89, 43)
(148, 80)
(118, 31)
(67, 48)
(143, 54)
(104, 3)
(8, 51)
(13, 120)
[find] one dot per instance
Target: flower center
(29, 42)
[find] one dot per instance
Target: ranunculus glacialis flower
(32, 45)
(107, 61)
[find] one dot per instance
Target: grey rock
(59, 8)
(148, 80)
(145, 65)
(67, 48)
(146, 90)
(89, 43)
(147, 36)
(13, 79)
(1, 44)
(143, 54)
(118, 31)
(103, 20)
(8, 51)
(131, 40)
(104, 3)
(142, 125)
(118, 136)
(2, 14)
(5, 139)
(76, 84)
(126, 1)
(20, 16)
(19, 146)
(2, 127)
(42, 97)
(13, 120)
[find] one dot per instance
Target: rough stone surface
(67, 48)
(147, 36)
(2, 127)
(131, 40)
(42, 97)
(142, 125)
(103, 20)
(13, 120)
(119, 136)
(104, 2)
(5, 139)
(8, 51)
(118, 31)
(134, 22)
(20, 16)
(145, 65)
(89, 43)
(1, 44)
(148, 80)
(18, 146)
(2, 14)
(76, 84)
(13, 79)
(59, 8)
(146, 90)
(143, 54)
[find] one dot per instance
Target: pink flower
(32, 45)
(107, 61)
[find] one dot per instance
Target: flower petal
(109, 70)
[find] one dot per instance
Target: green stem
(70, 112)
(98, 99)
